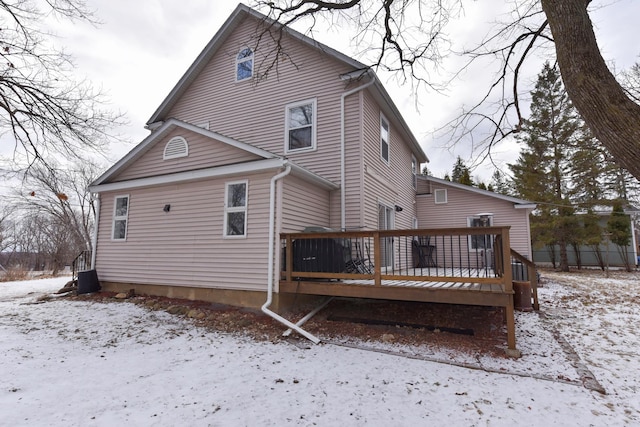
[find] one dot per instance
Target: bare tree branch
(41, 107)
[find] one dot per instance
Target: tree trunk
(610, 114)
(564, 257)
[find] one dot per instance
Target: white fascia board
(530, 206)
(180, 177)
(167, 126)
(225, 139)
(312, 177)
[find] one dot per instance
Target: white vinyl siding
(186, 247)
(462, 204)
(120, 218)
(313, 74)
(300, 126)
(204, 152)
(235, 209)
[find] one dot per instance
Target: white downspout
(272, 223)
(343, 195)
(94, 240)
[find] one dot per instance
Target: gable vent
(176, 147)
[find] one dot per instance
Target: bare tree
(41, 107)
(62, 196)
(408, 36)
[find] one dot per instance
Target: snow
(65, 362)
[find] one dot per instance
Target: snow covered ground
(72, 363)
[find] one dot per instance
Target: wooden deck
(464, 266)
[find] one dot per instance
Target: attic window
(440, 196)
(244, 64)
(176, 147)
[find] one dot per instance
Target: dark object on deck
(88, 282)
(461, 331)
(423, 253)
(522, 296)
(323, 255)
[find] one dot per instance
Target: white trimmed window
(414, 171)
(384, 139)
(175, 148)
(120, 218)
(235, 209)
(300, 126)
(244, 64)
(440, 196)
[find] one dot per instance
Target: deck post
(507, 276)
(533, 279)
(507, 280)
(377, 258)
(511, 350)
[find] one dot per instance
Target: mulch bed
(470, 329)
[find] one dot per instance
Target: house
(605, 252)
(238, 159)
(442, 203)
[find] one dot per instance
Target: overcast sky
(143, 47)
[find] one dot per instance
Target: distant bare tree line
(48, 219)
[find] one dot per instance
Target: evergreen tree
(499, 184)
(619, 229)
(589, 169)
(461, 173)
(541, 173)
(592, 232)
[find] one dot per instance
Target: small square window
(440, 196)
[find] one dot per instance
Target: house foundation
(236, 298)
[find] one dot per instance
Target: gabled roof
(220, 37)
(517, 203)
(163, 130)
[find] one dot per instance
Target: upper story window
(244, 64)
(300, 126)
(176, 147)
(440, 196)
(120, 218)
(414, 171)
(384, 139)
(235, 209)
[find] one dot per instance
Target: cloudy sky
(141, 49)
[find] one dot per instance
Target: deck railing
(524, 270)
(467, 255)
(81, 262)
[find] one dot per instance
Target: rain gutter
(272, 222)
(343, 194)
(94, 239)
